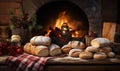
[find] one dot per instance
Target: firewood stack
(58, 38)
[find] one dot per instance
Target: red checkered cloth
(27, 62)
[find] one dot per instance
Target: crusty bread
(36, 50)
(99, 56)
(91, 49)
(27, 47)
(111, 54)
(100, 42)
(55, 50)
(41, 51)
(86, 55)
(75, 52)
(105, 49)
(76, 44)
(66, 49)
(40, 40)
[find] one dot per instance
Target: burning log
(58, 38)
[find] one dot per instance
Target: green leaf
(12, 26)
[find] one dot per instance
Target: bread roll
(36, 50)
(99, 56)
(86, 55)
(91, 49)
(105, 49)
(40, 40)
(55, 50)
(100, 42)
(111, 54)
(66, 49)
(77, 44)
(75, 52)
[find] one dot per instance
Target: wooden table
(73, 64)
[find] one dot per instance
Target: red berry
(19, 51)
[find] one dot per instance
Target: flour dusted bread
(36, 50)
(100, 42)
(75, 52)
(40, 40)
(55, 50)
(66, 49)
(76, 44)
(86, 55)
(99, 56)
(41, 51)
(91, 49)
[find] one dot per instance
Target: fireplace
(54, 14)
(80, 16)
(48, 11)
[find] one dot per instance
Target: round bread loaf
(66, 49)
(105, 49)
(76, 44)
(111, 54)
(99, 56)
(75, 52)
(86, 55)
(91, 49)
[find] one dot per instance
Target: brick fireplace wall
(5, 6)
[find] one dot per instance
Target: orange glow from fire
(64, 18)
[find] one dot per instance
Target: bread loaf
(100, 42)
(66, 49)
(105, 49)
(75, 52)
(55, 50)
(76, 44)
(91, 49)
(86, 55)
(36, 50)
(40, 40)
(27, 47)
(99, 56)
(111, 54)
(41, 51)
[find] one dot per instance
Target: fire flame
(64, 18)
